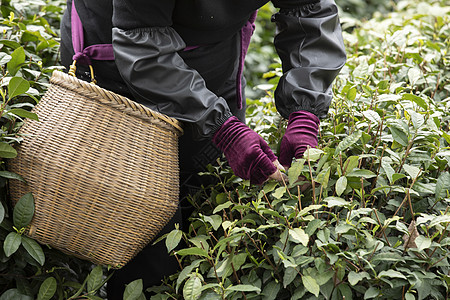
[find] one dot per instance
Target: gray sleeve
(159, 78)
(310, 44)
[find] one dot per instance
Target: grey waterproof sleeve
(158, 77)
(310, 45)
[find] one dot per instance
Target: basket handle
(84, 55)
(73, 69)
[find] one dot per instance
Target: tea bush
(369, 216)
(364, 216)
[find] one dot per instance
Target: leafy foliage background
(368, 218)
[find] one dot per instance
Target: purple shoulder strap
(246, 34)
(94, 52)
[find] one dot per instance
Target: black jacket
(149, 37)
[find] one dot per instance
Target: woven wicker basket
(103, 171)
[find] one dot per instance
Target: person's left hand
(247, 153)
(301, 132)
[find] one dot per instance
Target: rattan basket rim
(117, 101)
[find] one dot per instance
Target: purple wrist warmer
(247, 153)
(301, 132)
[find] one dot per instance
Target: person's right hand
(247, 153)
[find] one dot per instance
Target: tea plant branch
(373, 253)
(407, 152)
(299, 198)
(178, 260)
(285, 185)
(410, 203)
(313, 183)
(341, 164)
(363, 202)
(265, 256)
(406, 195)
(384, 233)
(438, 261)
(270, 206)
(213, 265)
(355, 266)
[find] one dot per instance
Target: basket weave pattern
(103, 171)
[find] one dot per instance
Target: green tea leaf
(192, 251)
(409, 296)
(214, 220)
(347, 142)
(11, 243)
(346, 291)
(11, 175)
(412, 171)
(387, 169)
(34, 249)
(297, 235)
(372, 292)
(335, 201)
(23, 211)
(423, 242)
(350, 164)
(186, 271)
(192, 288)
(14, 294)
(2, 213)
(417, 119)
(4, 58)
(354, 278)
(269, 187)
(439, 220)
(311, 285)
(279, 192)
(238, 260)
(372, 116)
(271, 290)
(397, 176)
(244, 288)
(312, 154)
(343, 228)
(222, 206)
(392, 274)
(222, 198)
(399, 136)
(309, 208)
(442, 185)
(200, 241)
(47, 289)
(313, 226)
(295, 170)
(351, 94)
(7, 151)
(17, 86)
(133, 290)
(173, 239)
(24, 113)
(414, 74)
(17, 59)
(362, 174)
(95, 279)
(289, 275)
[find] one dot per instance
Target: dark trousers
(151, 265)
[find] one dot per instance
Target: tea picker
(185, 59)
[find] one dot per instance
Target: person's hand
(301, 132)
(247, 153)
